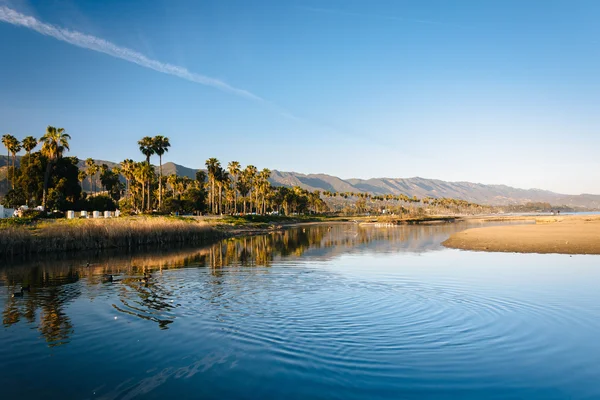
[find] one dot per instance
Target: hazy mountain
(420, 187)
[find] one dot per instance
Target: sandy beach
(563, 235)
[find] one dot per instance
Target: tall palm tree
(264, 186)
(172, 181)
(222, 180)
(7, 141)
(234, 169)
(29, 143)
(15, 147)
(200, 179)
(54, 143)
(213, 166)
(161, 145)
(127, 167)
(103, 169)
(91, 171)
(144, 173)
(81, 175)
(243, 186)
(251, 172)
(146, 145)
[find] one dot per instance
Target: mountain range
(500, 195)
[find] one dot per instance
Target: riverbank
(47, 236)
(549, 234)
(23, 236)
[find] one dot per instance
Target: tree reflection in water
(57, 282)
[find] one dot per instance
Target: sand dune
(563, 235)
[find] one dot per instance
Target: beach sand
(563, 235)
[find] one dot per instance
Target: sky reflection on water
(336, 311)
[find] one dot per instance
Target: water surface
(337, 311)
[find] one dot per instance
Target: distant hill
(499, 195)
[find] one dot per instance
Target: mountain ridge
(491, 194)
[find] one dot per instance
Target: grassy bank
(97, 234)
(30, 236)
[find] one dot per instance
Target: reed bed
(99, 234)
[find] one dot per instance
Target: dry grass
(98, 234)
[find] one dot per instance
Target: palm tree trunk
(27, 186)
(234, 200)
(7, 166)
(143, 196)
(14, 167)
(220, 199)
(46, 178)
(160, 183)
(212, 194)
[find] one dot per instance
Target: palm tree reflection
(55, 283)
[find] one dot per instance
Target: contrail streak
(103, 46)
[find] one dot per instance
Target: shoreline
(18, 238)
(78, 235)
(572, 234)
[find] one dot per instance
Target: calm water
(346, 313)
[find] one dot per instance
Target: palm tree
(81, 177)
(263, 185)
(91, 171)
(103, 169)
(54, 143)
(143, 173)
(243, 186)
(251, 172)
(127, 167)
(222, 180)
(146, 145)
(200, 179)
(161, 145)
(172, 181)
(29, 144)
(213, 166)
(146, 172)
(15, 147)
(7, 141)
(234, 169)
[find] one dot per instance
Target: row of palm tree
(231, 189)
(248, 184)
(54, 143)
(13, 146)
(149, 146)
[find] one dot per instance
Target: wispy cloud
(79, 39)
(376, 16)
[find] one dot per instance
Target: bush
(100, 203)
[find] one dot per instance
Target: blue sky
(483, 91)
